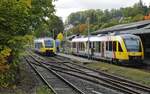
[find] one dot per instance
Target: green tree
(14, 34)
(14, 24)
(44, 21)
(56, 26)
(138, 17)
(107, 18)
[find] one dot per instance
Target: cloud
(105, 4)
(65, 4)
(65, 7)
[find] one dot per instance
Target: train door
(109, 49)
(114, 48)
(97, 52)
(77, 46)
(102, 49)
(92, 48)
(119, 53)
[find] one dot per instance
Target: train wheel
(116, 62)
(113, 61)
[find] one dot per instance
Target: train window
(97, 46)
(83, 46)
(110, 45)
(114, 46)
(79, 46)
(99, 49)
(74, 45)
(48, 43)
(132, 44)
(93, 45)
(107, 45)
(34, 45)
(119, 47)
(90, 44)
(38, 45)
(140, 48)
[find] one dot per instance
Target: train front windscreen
(133, 44)
(48, 43)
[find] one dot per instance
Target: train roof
(97, 38)
(91, 38)
(129, 36)
(42, 39)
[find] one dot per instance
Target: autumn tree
(82, 27)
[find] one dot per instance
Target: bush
(14, 27)
(4, 54)
(9, 77)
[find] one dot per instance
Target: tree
(107, 18)
(44, 21)
(41, 10)
(18, 20)
(14, 30)
(82, 28)
(14, 23)
(56, 25)
(138, 17)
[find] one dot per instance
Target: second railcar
(125, 48)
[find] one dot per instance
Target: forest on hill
(100, 19)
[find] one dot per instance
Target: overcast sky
(65, 7)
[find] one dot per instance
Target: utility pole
(88, 22)
(53, 33)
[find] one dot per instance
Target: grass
(130, 73)
(43, 90)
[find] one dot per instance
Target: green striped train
(121, 48)
(45, 46)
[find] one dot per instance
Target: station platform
(76, 58)
(84, 60)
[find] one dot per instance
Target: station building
(141, 28)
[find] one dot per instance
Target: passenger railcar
(45, 46)
(125, 48)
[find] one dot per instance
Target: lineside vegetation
(20, 22)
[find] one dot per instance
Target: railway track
(97, 77)
(87, 87)
(122, 80)
(53, 80)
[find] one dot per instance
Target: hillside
(100, 19)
